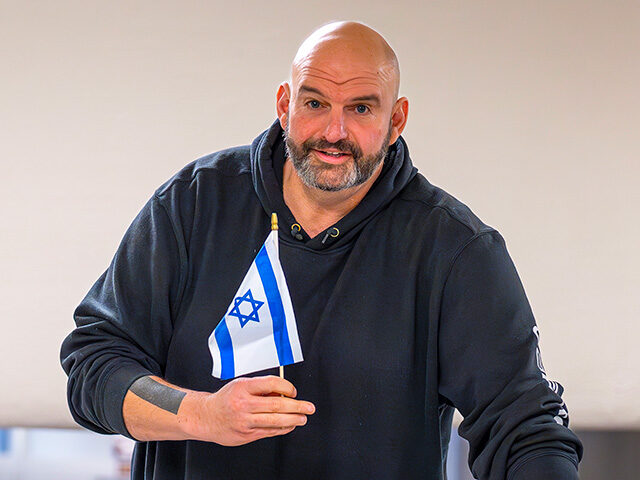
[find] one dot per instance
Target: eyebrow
(365, 98)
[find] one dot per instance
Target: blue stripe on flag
(280, 334)
(223, 339)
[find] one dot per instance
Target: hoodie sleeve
(124, 324)
(490, 369)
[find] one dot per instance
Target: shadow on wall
(610, 455)
(607, 455)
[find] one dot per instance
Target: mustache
(342, 145)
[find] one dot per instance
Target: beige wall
(527, 111)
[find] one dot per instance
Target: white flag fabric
(259, 330)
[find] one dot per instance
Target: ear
(282, 103)
(399, 116)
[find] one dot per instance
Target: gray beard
(333, 178)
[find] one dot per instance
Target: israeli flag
(259, 329)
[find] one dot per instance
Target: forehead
(343, 72)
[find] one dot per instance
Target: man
(407, 305)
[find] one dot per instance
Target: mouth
(335, 158)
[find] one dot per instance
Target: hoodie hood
(267, 160)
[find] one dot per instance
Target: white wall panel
(527, 111)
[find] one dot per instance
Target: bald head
(350, 44)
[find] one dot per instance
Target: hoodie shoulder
(434, 199)
(230, 162)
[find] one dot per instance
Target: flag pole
(274, 226)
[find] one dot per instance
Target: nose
(335, 129)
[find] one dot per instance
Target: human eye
(361, 109)
(313, 104)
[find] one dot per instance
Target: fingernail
(311, 408)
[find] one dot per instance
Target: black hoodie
(407, 307)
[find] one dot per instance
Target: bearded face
(330, 177)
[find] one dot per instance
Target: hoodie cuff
(541, 467)
(115, 388)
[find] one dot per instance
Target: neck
(316, 210)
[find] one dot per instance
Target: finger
(270, 384)
(281, 405)
(259, 433)
(276, 420)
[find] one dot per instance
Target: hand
(244, 410)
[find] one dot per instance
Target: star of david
(255, 306)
